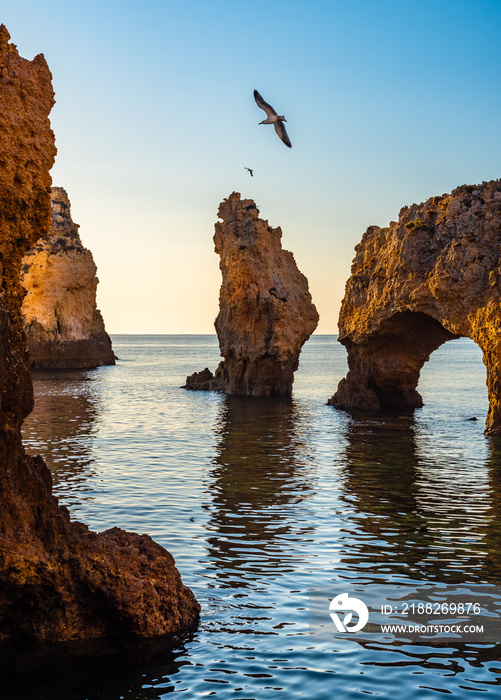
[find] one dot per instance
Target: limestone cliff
(62, 323)
(433, 275)
(58, 580)
(265, 309)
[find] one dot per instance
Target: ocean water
(260, 501)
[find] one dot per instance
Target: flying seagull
(273, 118)
(251, 171)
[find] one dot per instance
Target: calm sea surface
(259, 501)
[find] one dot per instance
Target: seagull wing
(264, 105)
(280, 129)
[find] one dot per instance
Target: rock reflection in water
(260, 477)
(379, 480)
(62, 426)
(492, 565)
(104, 668)
(420, 515)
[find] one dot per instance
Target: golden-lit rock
(265, 308)
(62, 323)
(432, 276)
(58, 580)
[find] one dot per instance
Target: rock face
(62, 323)
(58, 580)
(265, 309)
(432, 276)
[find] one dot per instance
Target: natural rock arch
(432, 276)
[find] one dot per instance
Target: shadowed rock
(432, 276)
(58, 580)
(265, 309)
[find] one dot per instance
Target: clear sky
(387, 103)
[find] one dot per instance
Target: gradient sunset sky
(387, 103)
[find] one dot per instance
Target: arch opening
(384, 367)
(453, 381)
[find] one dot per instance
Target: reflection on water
(492, 561)
(260, 501)
(378, 477)
(432, 515)
(261, 474)
(62, 427)
(91, 669)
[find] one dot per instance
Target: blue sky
(387, 103)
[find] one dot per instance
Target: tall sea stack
(265, 309)
(433, 275)
(62, 323)
(58, 580)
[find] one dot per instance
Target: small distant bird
(273, 118)
(251, 171)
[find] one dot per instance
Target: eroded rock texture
(432, 276)
(265, 309)
(62, 323)
(58, 580)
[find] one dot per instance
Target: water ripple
(261, 500)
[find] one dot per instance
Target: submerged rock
(265, 308)
(62, 323)
(58, 580)
(432, 276)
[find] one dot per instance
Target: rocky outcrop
(433, 275)
(265, 309)
(58, 580)
(62, 323)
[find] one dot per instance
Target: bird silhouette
(251, 171)
(273, 118)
